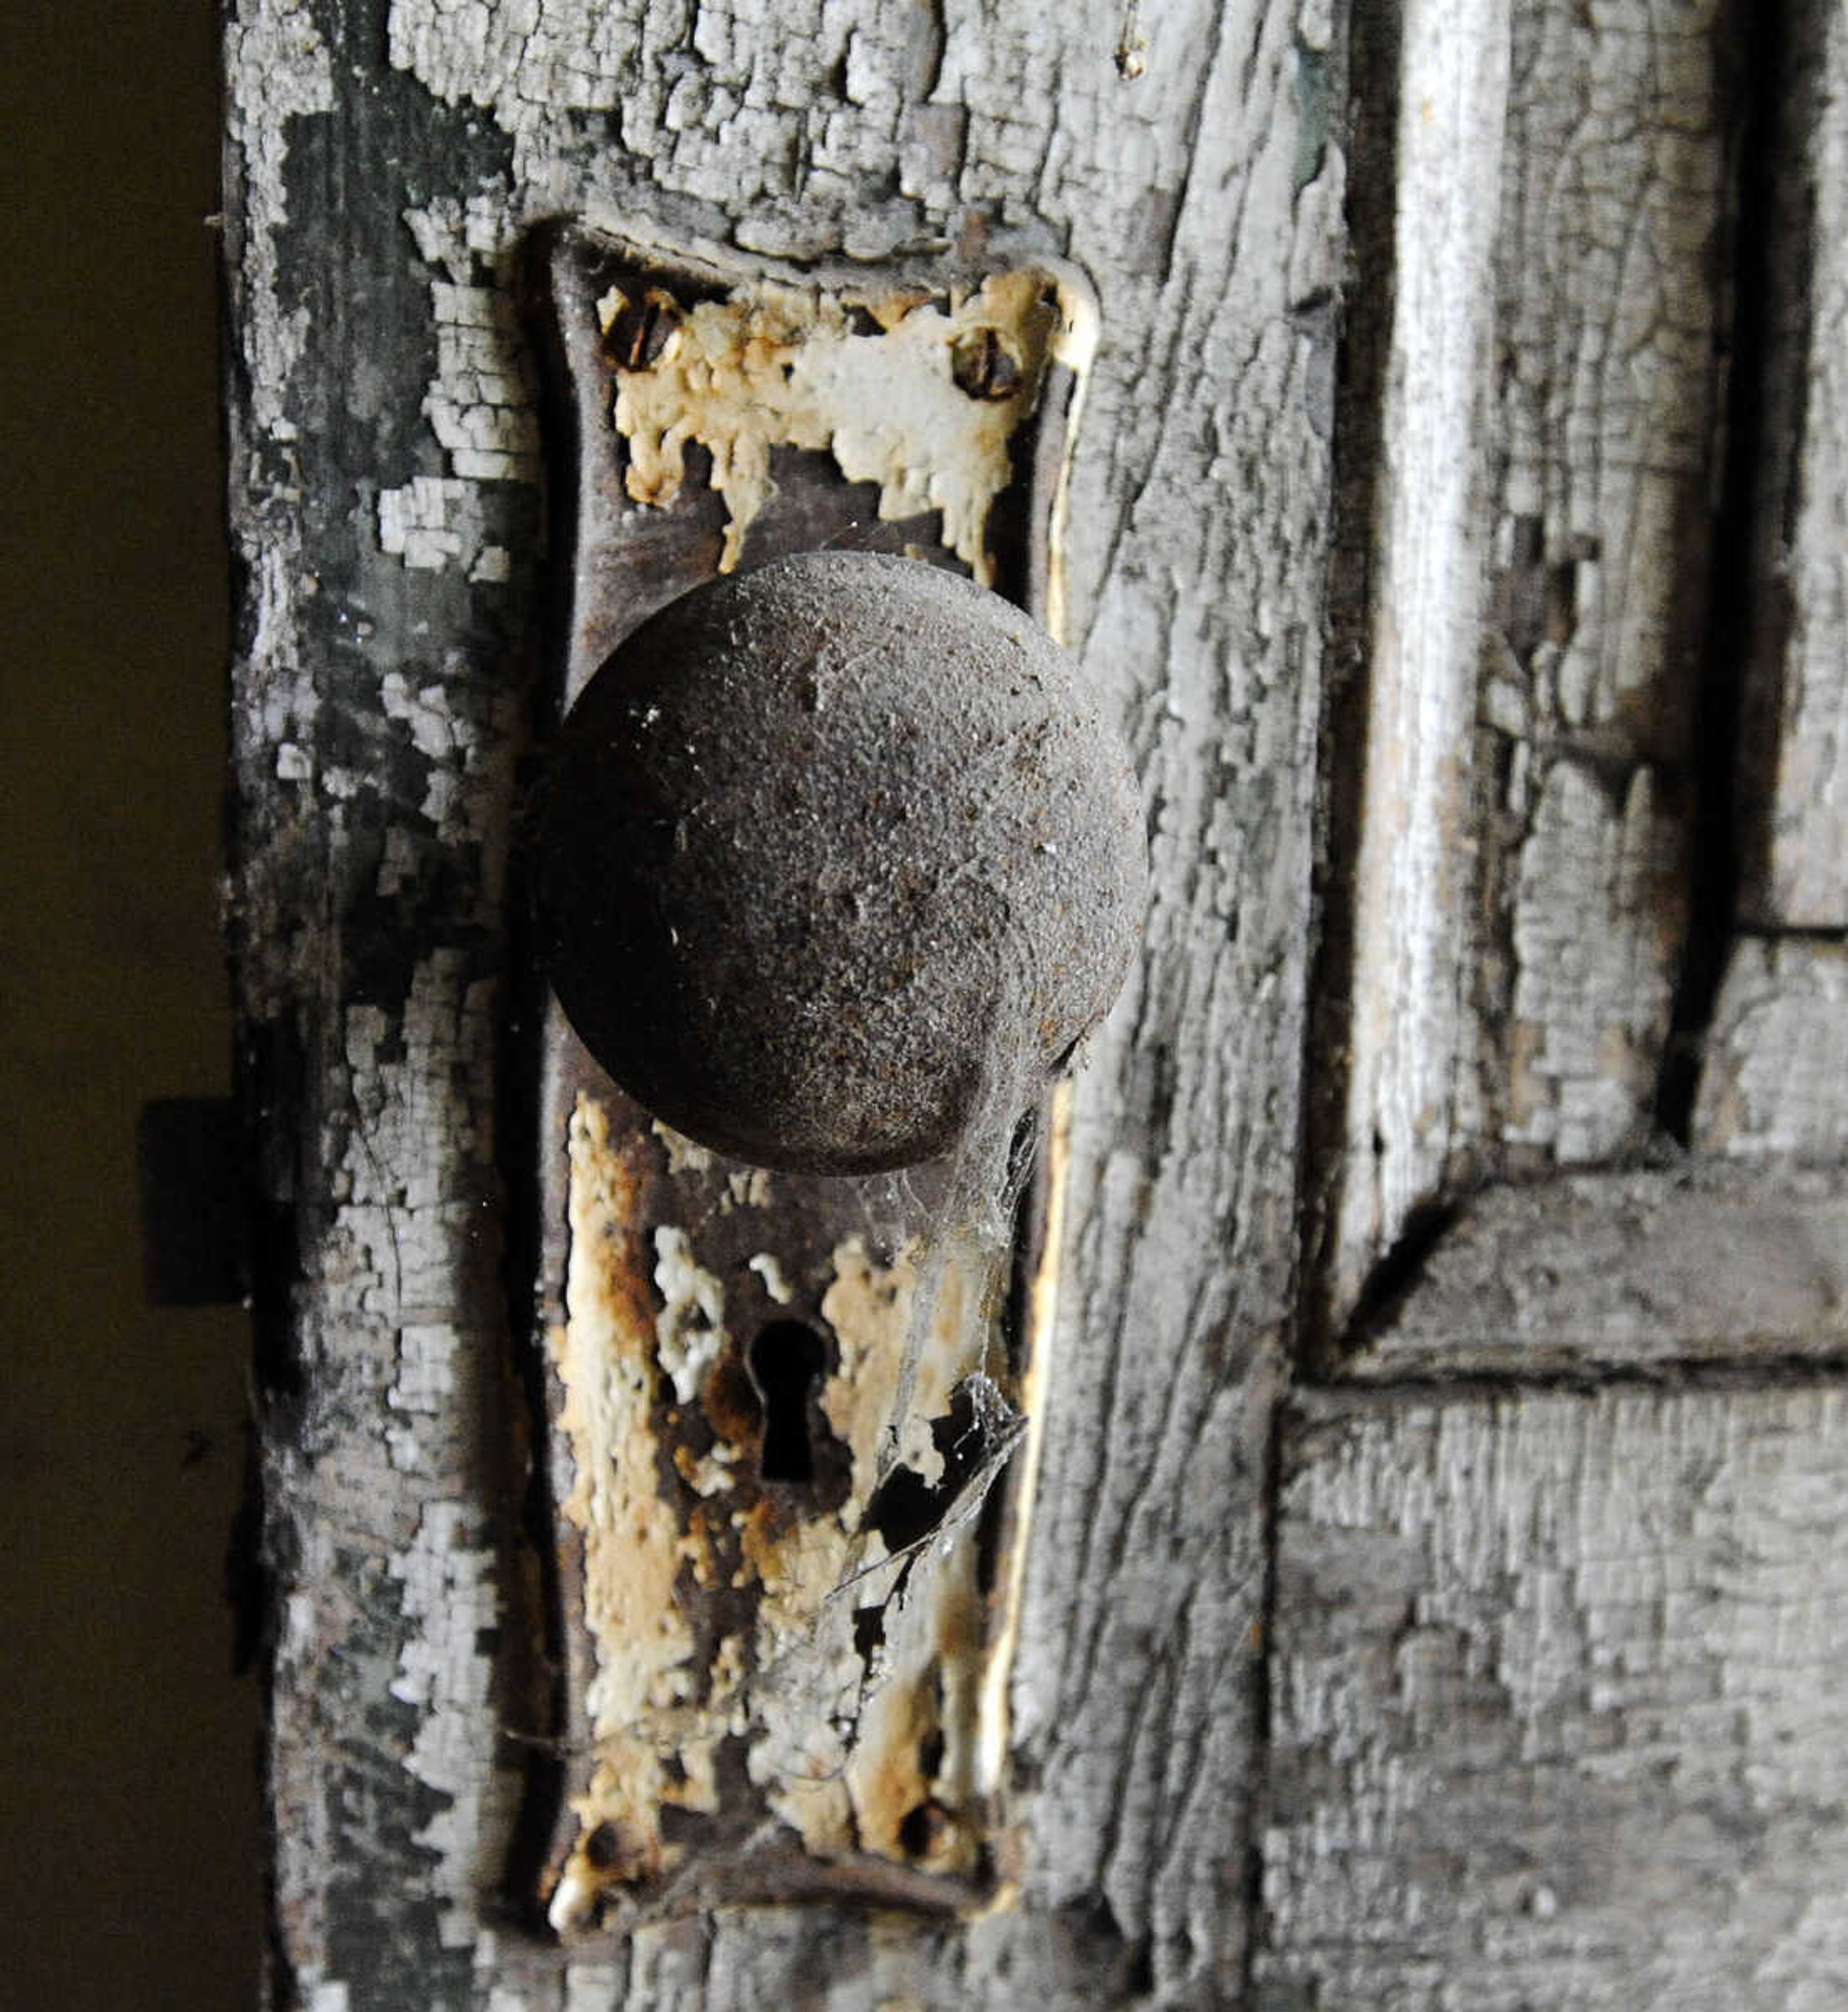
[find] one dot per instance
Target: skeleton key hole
(786, 1362)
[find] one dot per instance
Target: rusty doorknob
(833, 858)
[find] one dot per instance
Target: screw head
(984, 365)
(828, 851)
(640, 330)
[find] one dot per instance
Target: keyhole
(786, 1361)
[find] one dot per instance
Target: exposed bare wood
(386, 452)
(1557, 305)
(1796, 811)
(1556, 1708)
(1774, 1084)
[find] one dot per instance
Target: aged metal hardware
(833, 854)
(795, 1419)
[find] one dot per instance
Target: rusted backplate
(793, 1420)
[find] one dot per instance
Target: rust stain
(862, 1740)
(633, 1548)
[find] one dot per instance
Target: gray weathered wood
(384, 164)
(1557, 1714)
(1709, 1262)
(1513, 895)
(1774, 1084)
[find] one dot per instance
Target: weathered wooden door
(1436, 1595)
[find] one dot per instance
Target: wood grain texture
(1541, 526)
(1707, 1261)
(1556, 1713)
(1795, 814)
(384, 165)
(1775, 1082)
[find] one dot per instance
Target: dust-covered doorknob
(833, 858)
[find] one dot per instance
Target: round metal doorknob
(832, 854)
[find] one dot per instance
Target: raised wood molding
(1793, 812)
(1591, 1273)
(1507, 894)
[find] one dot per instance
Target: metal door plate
(778, 1686)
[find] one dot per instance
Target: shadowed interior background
(129, 1866)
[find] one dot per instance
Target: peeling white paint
(433, 522)
(482, 403)
(690, 1329)
(426, 1384)
(450, 1601)
(277, 70)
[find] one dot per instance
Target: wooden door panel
(1555, 1718)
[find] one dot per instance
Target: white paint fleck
(433, 522)
(769, 1268)
(683, 1155)
(690, 1328)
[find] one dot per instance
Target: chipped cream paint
(747, 1188)
(773, 365)
(842, 1749)
(834, 1794)
(684, 1155)
(604, 1355)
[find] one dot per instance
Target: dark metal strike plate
(788, 1595)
